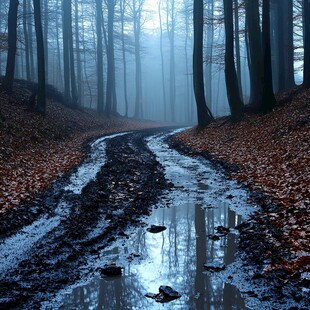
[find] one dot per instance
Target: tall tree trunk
(78, 53)
(122, 10)
(269, 100)
(26, 37)
(237, 40)
(85, 63)
(8, 80)
(171, 35)
(41, 98)
(74, 95)
(59, 79)
(233, 95)
(162, 61)
(66, 56)
(209, 51)
(306, 29)
(100, 92)
(255, 53)
(30, 36)
(110, 95)
(283, 36)
(46, 18)
(137, 8)
(187, 36)
(204, 115)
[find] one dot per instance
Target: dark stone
(214, 237)
(214, 266)
(222, 230)
(150, 295)
(110, 270)
(156, 229)
(169, 292)
(166, 294)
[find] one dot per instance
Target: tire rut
(124, 190)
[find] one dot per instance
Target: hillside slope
(35, 150)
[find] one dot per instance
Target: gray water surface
(201, 200)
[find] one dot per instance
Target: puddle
(201, 200)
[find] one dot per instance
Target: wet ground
(100, 214)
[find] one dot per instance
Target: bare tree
(137, 6)
(306, 30)
(100, 90)
(122, 4)
(162, 59)
(203, 113)
(8, 80)
(171, 35)
(111, 104)
(233, 93)
(41, 97)
(268, 100)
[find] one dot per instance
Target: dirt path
(49, 254)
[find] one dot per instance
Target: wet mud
(80, 224)
(257, 251)
(99, 213)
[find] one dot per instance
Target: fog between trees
(134, 57)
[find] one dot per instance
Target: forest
(154, 152)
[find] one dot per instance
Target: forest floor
(267, 153)
(270, 155)
(36, 150)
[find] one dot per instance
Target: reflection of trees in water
(179, 254)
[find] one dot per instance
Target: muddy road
(52, 251)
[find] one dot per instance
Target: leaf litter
(270, 154)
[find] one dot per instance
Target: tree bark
(269, 101)
(306, 18)
(26, 37)
(137, 8)
(162, 61)
(66, 56)
(100, 92)
(237, 40)
(204, 115)
(78, 53)
(41, 97)
(8, 80)
(110, 99)
(233, 94)
(171, 35)
(255, 53)
(122, 10)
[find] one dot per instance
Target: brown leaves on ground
(273, 154)
(36, 150)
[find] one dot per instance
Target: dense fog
(140, 29)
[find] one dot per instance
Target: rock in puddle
(214, 266)
(110, 270)
(166, 294)
(222, 230)
(156, 229)
(214, 237)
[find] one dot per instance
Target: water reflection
(176, 256)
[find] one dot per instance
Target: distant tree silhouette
(41, 97)
(8, 80)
